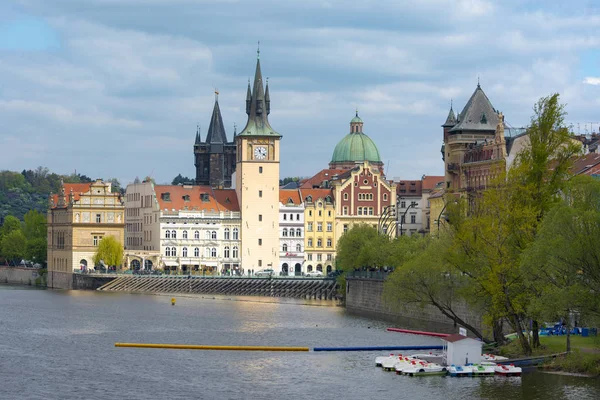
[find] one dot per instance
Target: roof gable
(478, 114)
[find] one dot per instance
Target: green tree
(10, 224)
(181, 180)
(110, 252)
(36, 250)
(427, 279)
(13, 245)
(34, 225)
(564, 260)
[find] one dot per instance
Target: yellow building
(436, 207)
(78, 218)
(319, 228)
(257, 181)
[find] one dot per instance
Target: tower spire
(267, 98)
(258, 107)
(216, 130)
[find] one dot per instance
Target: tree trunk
(450, 314)
(516, 324)
(568, 326)
(498, 332)
(536, 334)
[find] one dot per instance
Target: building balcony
(453, 167)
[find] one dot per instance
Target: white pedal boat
(388, 363)
(483, 370)
(379, 360)
(460, 370)
(404, 363)
(493, 357)
(423, 368)
(507, 370)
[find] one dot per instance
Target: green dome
(355, 147)
(356, 119)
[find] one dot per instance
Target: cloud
(123, 92)
(590, 80)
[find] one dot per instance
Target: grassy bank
(583, 359)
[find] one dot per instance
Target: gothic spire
(268, 98)
(248, 98)
(451, 119)
(258, 123)
(216, 130)
(198, 138)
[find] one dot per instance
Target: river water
(60, 345)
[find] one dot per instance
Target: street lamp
(388, 211)
(412, 204)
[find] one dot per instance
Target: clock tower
(257, 180)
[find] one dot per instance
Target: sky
(116, 88)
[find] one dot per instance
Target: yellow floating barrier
(204, 347)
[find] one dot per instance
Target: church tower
(257, 180)
(214, 158)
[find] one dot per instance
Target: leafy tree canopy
(110, 252)
(13, 245)
(182, 180)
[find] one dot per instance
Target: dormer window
(309, 199)
(227, 201)
(165, 196)
(204, 197)
(186, 198)
(290, 201)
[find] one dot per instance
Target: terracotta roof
(78, 189)
(316, 193)
(584, 163)
(323, 175)
(430, 182)
(437, 192)
(408, 188)
(193, 197)
(456, 338)
(227, 199)
(286, 194)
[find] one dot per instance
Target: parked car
(265, 273)
(315, 273)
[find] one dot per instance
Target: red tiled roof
(316, 193)
(430, 182)
(286, 194)
(78, 189)
(456, 338)
(193, 201)
(408, 188)
(323, 175)
(584, 163)
(227, 199)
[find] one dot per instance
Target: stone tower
(215, 157)
(257, 180)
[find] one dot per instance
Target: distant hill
(29, 190)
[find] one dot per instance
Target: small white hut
(462, 350)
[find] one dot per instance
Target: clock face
(260, 152)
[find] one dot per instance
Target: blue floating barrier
(378, 348)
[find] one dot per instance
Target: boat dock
(302, 288)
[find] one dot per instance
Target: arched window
(235, 234)
(174, 234)
(197, 235)
(226, 234)
(291, 217)
(292, 232)
(298, 232)
(167, 251)
(284, 233)
(173, 252)
(213, 252)
(285, 247)
(168, 234)
(226, 252)
(207, 252)
(298, 247)
(235, 253)
(345, 196)
(196, 252)
(213, 235)
(385, 197)
(184, 235)
(207, 235)
(184, 252)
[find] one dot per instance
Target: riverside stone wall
(364, 296)
(20, 275)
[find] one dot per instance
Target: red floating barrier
(436, 334)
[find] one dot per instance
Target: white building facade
(291, 233)
(190, 230)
